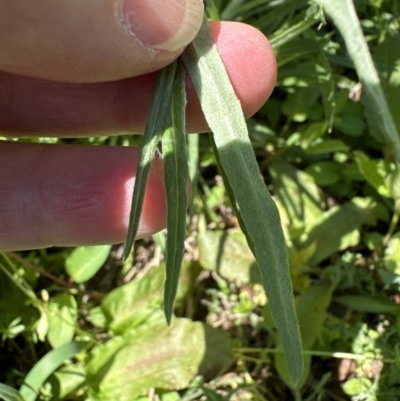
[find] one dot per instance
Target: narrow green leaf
(176, 179)
(258, 214)
(311, 310)
(368, 304)
(338, 228)
(46, 366)
(345, 18)
(155, 125)
(8, 393)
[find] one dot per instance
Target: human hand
(73, 69)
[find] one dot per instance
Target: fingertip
(249, 60)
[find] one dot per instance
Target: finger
(31, 107)
(72, 195)
(92, 40)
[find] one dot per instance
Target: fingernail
(161, 24)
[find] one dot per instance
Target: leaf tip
(168, 315)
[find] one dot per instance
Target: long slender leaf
(46, 366)
(8, 393)
(258, 214)
(345, 18)
(176, 175)
(155, 125)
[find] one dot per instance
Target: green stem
(339, 355)
(392, 227)
(297, 395)
(27, 291)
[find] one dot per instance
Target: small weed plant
(247, 296)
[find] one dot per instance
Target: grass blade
(345, 18)
(46, 366)
(8, 393)
(155, 125)
(176, 179)
(259, 216)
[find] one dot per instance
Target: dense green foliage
(332, 171)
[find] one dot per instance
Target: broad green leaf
(369, 169)
(229, 255)
(133, 303)
(312, 133)
(171, 396)
(345, 18)
(8, 393)
(46, 366)
(301, 104)
(325, 173)
(158, 115)
(311, 310)
(153, 356)
(258, 213)
(369, 304)
(97, 318)
(351, 120)
(297, 193)
(85, 261)
(61, 316)
(374, 241)
(67, 380)
(338, 228)
(176, 175)
(328, 146)
(357, 386)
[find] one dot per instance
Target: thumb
(94, 40)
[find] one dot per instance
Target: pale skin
(87, 68)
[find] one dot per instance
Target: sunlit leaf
(256, 210)
(61, 316)
(84, 262)
(153, 355)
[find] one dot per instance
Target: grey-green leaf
(258, 214)
(369, 304)
(176, 174)
(155, 125)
